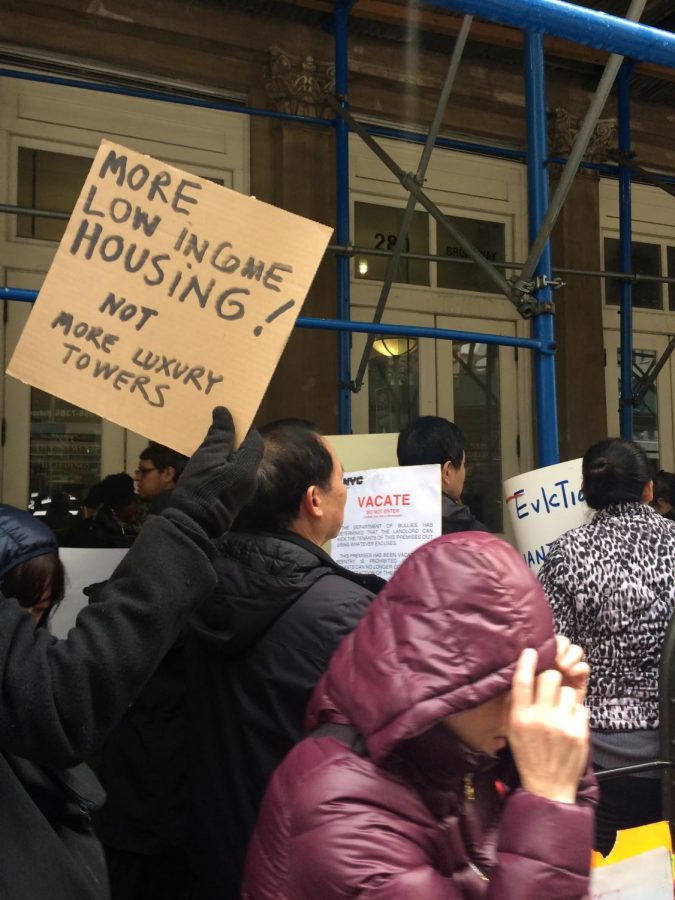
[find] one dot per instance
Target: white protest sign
(647, 876)
(168, 296)
(542, 505)
(389, 513)
(83, 567)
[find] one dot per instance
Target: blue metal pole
(626, 409)
(163, 96)
(415, 331)
(537, 179)
(577, 24)
(340, 17)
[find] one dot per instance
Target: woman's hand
(548, 730)
(569, 661)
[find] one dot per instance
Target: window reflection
(65, 452)
(393, 384)
(646, 415)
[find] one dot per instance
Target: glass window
(393, 384)
(488, 237)
(377, 227)
(477, 412)
(646, 261)
(65, 455)
(48, 180)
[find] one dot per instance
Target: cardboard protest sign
(542, 505)
(365, 451)
(389, 513)
(168, 296)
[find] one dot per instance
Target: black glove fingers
(249, 453)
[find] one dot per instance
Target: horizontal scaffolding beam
(577, 24)
(415, 331)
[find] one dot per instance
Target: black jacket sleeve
(61, 697)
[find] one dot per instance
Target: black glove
(216, 482)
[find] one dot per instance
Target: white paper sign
(648, 876)
(83, 567)
(389, 513)
(542, 505)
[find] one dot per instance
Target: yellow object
(633, 841)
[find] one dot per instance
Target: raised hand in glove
(217, 481)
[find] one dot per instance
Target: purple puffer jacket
(408, 811)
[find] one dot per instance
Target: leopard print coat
(611, 586)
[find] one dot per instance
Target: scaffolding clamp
(525, 303)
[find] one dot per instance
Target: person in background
(446, 749)
(79, 533)
(261, 641)
(664, 494)
(59, 698)
(433, 440)
(159, 469)
(58, 516)
(611, 588)
(120, 515)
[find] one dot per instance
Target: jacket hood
(22, 537)
(442, 637)
(260, 575)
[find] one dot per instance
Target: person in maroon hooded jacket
(448, 749)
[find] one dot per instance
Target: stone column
(575, 243)
(293, 167)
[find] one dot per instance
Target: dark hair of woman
(614, 471)
(29, 582)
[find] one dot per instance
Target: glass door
(472, 384)
(477, 391)
(653, 417)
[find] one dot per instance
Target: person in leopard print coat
(611, 588)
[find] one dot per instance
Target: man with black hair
(259, 644)
(432, 439)
(159, 468)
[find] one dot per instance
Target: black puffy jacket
(256, 649)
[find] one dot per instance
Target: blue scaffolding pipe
(163, 96)
(419, 331)
(626, 409)
(342, 216)
(537, 179)
(341, 325)
(400, 134)
(577, 24)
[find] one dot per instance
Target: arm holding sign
(61, 697)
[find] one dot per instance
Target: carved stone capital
(563, 128)
(298, 84)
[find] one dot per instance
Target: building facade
(279, 56)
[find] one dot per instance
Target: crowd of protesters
(269, 725)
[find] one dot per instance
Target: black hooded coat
(256, 649)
